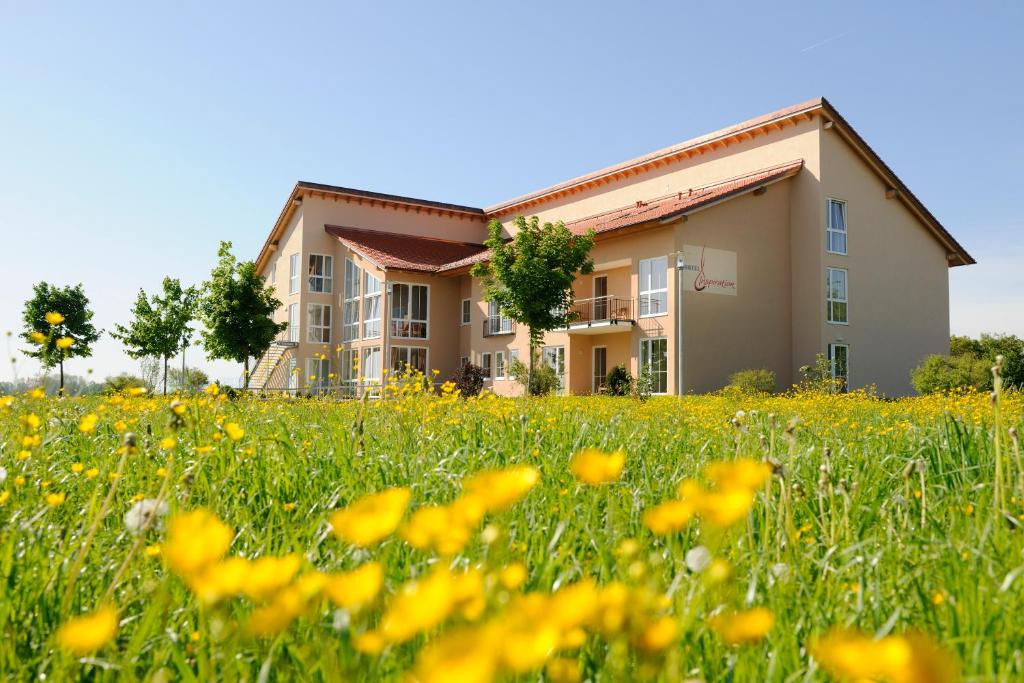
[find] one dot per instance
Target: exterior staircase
(267, 372)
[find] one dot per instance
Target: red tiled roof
(404, 252)
(680, 202)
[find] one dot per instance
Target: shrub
(942, 373)
(469, 380)
(619, 381)
(643, 385)
(124, 382)
(543, 382)
(760, 381)
(1010, 347)
(818, 378)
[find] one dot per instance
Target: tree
(160, 324)
(943, 373)
(236, 308)
(530, 277)
(188, 380)
(986, 348)
(58, 323)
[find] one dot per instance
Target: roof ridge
(388, 233)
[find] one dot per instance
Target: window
(350, 310)
(371, 368)
(371, 306)
(467, 311)
(293, 375)
(836, 295)
(496, 322)
(293, 323)
(839, 361)
(654, 356)
(653, 286)
(463, 361)
(499, 365)
(414, 357)
(554, 358)
(485, 363)
(513, 356)
(835, 230)
(349, 369)
(321, 273)
(600, 368)
(293, 274)
(318, 326)
(317, 371)
(409, 311)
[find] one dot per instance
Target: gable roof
(404, 252)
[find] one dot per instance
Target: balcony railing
(602, 309)
(495, 325)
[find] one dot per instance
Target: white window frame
(647, 349)
(319, 368)
(366, 364)
(372, 326)
(554, 357)
(513, 355)
(293, 273)
(321, 329)
(408, 320)
(350, 314)
(348, 366)
(836, 231)
(844, 299)
(407, 351)
(500, 367)
(504, 324)
(294, 324)
(485, 364)
(325, 277)
(467, 311)
(293, 375)
(598, 382)
(647, 290)
(832, 363)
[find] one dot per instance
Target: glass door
(554, 358)
(600, 297)
(600, 368)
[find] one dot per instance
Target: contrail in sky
(827, 40)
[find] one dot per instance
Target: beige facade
(748, 224)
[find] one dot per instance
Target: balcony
(496, 325)
(602, 315)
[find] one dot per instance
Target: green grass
(893, 503)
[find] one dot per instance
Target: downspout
(385, 315)
(680, 265)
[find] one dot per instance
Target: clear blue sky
(134, 136)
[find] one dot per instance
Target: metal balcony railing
(495, 325)
(602, 309)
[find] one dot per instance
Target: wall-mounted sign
(709, 271)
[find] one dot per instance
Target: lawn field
(708, 538)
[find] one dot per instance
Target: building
(757, 246)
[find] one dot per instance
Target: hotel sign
(709, 271)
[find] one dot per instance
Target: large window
(837, 299)
(835, 230)
(839, 361)
(496, 322)
(467, 311)
(409, 311)
(349, 367)
(350, 310)
(371, 367)
(485, 364)
(317, 371)
(554, 358)
(371, 306)
(414, 357)
(318, 325)
(293, 274)
(600, 368)
(654, 357)
(499, 365)
(293, 322)
(293, 375)
(653, 286)
(321, 273)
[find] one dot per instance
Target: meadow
(807, 537)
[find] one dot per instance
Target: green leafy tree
(160, 324)
(188, 380)
(58, 324)
(986, 348)
(944, 373)
(236, 308)
(530, 277)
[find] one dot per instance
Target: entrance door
(600, 368)
(554, 358)
(600, 297)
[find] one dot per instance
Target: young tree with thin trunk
(58, 323)
(530, 277)
(160, 324)
(237, 308)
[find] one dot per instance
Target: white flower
(698, 559)
(138, 516)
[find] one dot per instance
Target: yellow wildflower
(88, 423)
(593, 466)
(668, 517)
(499, 488)
(88, 633)
(168, 442)
(195, 540)
(750, 626)
(513, 576)
(65, 343)
(37, 337)
(92, 472)
(55, 499)
(372, 518)
(351, 590)
(54, 318)
(234, 431)
(77, 467)
(910, 658)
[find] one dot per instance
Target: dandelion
(143, 514)
(513, 576)
(168, 442)
(657, 635)
(234, 431)
(54, 318)
(372, 518)
(37, 338)
(354, 589)
(750, 626)
(195, 540)
(86, 634)
(92, 472)
(668, 517)
(65, 343)
(593, 466)
(909, 658)
(497, 489)
(77, 467)
(88, 423)
(55, 499)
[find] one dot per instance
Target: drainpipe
(385, 358)
(680, 265)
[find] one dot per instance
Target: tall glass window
(321, 273)
(371, 306)
(654, 356)
(835, 230)
(653, 286)
(409, 311)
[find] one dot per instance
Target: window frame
(649, 342)
(500, 365)
(393, 322)
(350, 328)
(294, 323)
(322, 380)
(323, 327)
(832, 346)
(466, 312)
(486, 365)
(463, 361)
(293, 273)
(368, 299)
(830, 229)
(365, 353)
(326, 277)
(651, 291)
(598, 383)
(830, 300)
(505, 323)
(399, 348)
